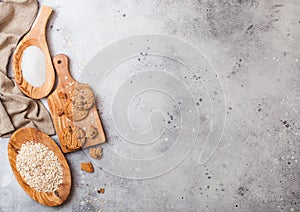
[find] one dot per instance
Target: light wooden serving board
(24, 135)
(66, 84)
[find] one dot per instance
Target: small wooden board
(66, 85)
(24, 135)
(35, 37)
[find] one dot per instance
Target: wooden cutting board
(24, 135)
(73, 134)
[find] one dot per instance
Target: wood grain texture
(35, 37)
(66, 84)
(24, 135)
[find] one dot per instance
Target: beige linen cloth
(17, 110)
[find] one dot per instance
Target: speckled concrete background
(254, 46)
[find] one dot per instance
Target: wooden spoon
(35, 37)
(24, 135)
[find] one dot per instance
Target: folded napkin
(17, 110)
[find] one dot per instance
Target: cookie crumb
(87, 167)
(62, 95)
(59, 112)
(96, 153)
(101, 191)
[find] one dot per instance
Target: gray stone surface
(254, 47)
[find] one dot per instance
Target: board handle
(40, 26)
(61, 64)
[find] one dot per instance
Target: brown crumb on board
(62, 95)
(96, 153)
(87, 167)
(59, 111)
(101, 191)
